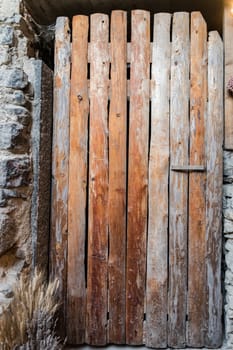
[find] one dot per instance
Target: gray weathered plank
(214, 189)
(97, 288)
(157, 247)
(79, 110)
(179, 138)
(196, 309)
(137, 176)
(60, 155)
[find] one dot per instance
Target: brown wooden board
(228, 50)
(60, 155)
(117, 178)
(214, 153)
(197, 184)
(157, 250)
(79, 110)
(96, 322)
(137, 176)
(179, 139)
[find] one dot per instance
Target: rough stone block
(12, 97)
(5, 57)
(9, 7)
(15, 171)
(18, 98)
(6, 290)
(12, 136)
(228, 226)
(14, 78)
(228, 196)
(17, 113)
(7, 233)
(6, 35)
(228, 167)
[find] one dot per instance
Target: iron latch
(188, 168)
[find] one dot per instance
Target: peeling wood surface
(137, 176)
(197, 184)
(59, 206)
(228, 50)
(117, 178)
(214, 154)
(79, 110)
(179, 139)
(97, 288)
(157, 247)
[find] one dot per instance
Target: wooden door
(141, 263)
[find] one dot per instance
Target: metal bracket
(188, 168)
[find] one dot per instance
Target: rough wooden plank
(60, 154)
(157, 247)
(117, 178)
(228, 46)
(79, 109)
(197, 183)
(128, 52)
(137, 176)
(98, 184)
(179, 138)
(214, 189)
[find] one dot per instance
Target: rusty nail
(79, 97)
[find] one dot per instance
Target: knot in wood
(80, 98)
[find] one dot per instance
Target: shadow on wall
(46, 11)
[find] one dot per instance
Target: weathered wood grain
(228, 50)
(157, 248)
(197, 183)
(96, 322)
(60, 155)
(214, 189)
(179, 138)
(117, 178)
(137, 176)
(79, 110)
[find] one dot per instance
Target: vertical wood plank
(197, 184)
(96, 322)
(137, 176)
(179, 138)
(79, 109)
(157, 250)
(214, 189)
(60, 155)
(117, 178)
(228, 46)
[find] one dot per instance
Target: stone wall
(228, 251)
(21, 237)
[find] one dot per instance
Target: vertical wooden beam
(117, 178)
(157, 247)
(179, 146)
(214, 154)
(60, 156)
(197, 185)
(97, 288)
(137, 176)
(79, 110)
(228, 50)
